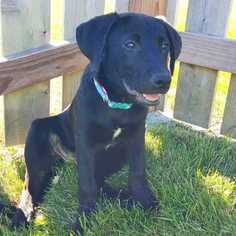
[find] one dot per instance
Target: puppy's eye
(130, 44)
(164, 45)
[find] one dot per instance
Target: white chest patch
(116, 133)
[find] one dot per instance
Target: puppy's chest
(117, 136)
(102, 137)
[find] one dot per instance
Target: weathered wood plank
(37, 65)
(149, 7)
(121, 6)
(76, 12)
(27, 27)
(229, 119)
(195, 89)
(43, 63)
(21, 107)
(162, 7)
(209, 51)
(172, 11)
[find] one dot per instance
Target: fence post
(229, 119)
(25, 24)
(76, 12)
(196, 85)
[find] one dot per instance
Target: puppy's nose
(161, 80)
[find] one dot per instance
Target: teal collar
(114, 105)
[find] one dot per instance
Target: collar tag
(114, 105)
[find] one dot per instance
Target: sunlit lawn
(192, 174)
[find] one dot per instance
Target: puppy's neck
(115, 92)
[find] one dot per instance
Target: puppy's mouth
(144, 98)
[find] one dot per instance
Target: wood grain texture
(229, 118)
(209, 51)
(195, 88)
(149, 7)
(38, 65)
(162, 7)
(27, 27)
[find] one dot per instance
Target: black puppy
(132, 59)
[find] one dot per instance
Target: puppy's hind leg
(39, 169)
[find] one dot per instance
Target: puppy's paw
(146, 198)
(77, 229)
(87, 207)
(19, 219)
(112, 193)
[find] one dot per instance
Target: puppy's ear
(175, 44)
(91, 37)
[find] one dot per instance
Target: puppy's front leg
(138, 185)
(87, 185)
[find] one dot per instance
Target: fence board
(43, 63)
(172, 11)
(209, 51)
(121, 6)
(39, 64)
(195, 88)
(25, 28)
(76, 12)
(21, 107)
(149, 7)
(229, 119)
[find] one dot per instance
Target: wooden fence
(29, 59)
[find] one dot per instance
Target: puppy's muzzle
(160, 82)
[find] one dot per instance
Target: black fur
(129, 49)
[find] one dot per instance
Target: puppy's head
(135, 54)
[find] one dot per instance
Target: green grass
(192, 174)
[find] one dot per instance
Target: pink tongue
(151, 97)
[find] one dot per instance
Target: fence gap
(229, 120)
(196, 85)
(218, 105)
(25, 26)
